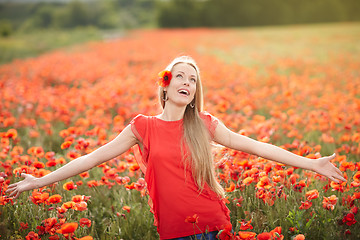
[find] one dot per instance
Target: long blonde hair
(196, 135)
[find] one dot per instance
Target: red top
(173, 194)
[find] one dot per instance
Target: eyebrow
(184, 73)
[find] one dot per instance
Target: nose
(186, 83)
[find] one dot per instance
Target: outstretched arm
(323, 166)
(125, 140)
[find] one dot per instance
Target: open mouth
(184, 92)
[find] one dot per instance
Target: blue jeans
(200, 236)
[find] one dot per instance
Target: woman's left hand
(324, 167)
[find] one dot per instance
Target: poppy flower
(329, 202)
(226, 233)
(85, 238)
(231, 188)
(33, 236)
(11, 133)
(264, 236)
(68, 205)
(349, 219)
(38, 164)
(276, 234)
(85, 222)
(54, 237)
(81, 206)
(126, 208)
(299, 237)
(68, 228)
(245, 225)
(192, 219)
(69, 186)
(312, 194)
(39, 197)
(84, 175)
(55, 198)
(164, 78)
(247, 235)
(23, 226)
(305, 205)
(77, 198)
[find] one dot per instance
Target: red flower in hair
(164, 78)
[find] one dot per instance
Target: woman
(176, 158)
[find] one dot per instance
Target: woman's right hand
(27, 184)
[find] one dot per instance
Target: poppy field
(297, 87)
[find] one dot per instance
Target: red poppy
(54, 237)
(84, 175)
(305, 205)
(39, 197)
(193, 219)
(68, 205)
(264, 236)
(68, 228)
(11, 133)
(126, 208)
(85, 222)
(329, 202)
(299, 237)
(77, 198)
(245, 225)
(85, 238)
(226, 233)
(55, 198)
(349, 219)
(66, 144)
(69, 186)
(164, 78)
(81, 206)
(38, 164)
(33, 236)
(23, 226)
(247, 235)
(276, 234)
(312, 194)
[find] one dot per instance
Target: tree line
(233, 13)
(124, 14)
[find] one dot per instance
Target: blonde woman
(176, 158)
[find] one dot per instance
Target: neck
(172, 112)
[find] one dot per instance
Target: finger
(338, 171)
(12, 185)
(17, 195)
(332, 156)
(334, 180)
(10, 188)
(342, 178)
(13, 193)
(23, 175)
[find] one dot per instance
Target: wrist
(37, 183)
(311, 164)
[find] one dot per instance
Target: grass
(34, 43)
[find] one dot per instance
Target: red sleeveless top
(173, 194)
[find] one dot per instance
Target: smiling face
(182, 88)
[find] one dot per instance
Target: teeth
(184, 92)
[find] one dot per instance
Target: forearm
(280, 155)
(71, 169)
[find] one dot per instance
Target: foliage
(230, 13)
(35, 42)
